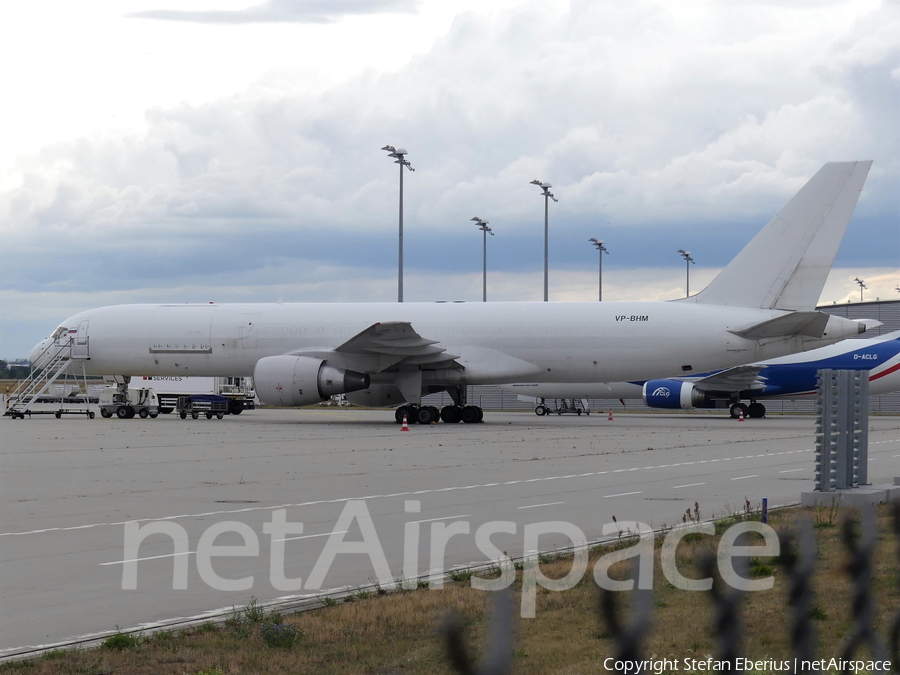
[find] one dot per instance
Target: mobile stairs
(53, 362)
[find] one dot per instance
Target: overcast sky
(229, 150)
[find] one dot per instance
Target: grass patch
(397, 632)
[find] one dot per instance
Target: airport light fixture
(483, 226)
(547, 196)
(688, 261)
(399, 154)
(862, 286)
(601, 250)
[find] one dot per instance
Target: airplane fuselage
(551, 342)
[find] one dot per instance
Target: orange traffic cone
(740, 414)
(610, 418)
(405, 426)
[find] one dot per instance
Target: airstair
(52, 363)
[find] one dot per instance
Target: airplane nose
(35, 356)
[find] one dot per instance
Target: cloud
(658, 129)
(283, 11)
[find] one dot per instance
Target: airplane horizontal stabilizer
(811, 324)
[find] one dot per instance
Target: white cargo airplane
(786, 377)
(760, 306)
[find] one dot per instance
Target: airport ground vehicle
(202, 404)
(238, 391)
(125, 405)
(563, 406)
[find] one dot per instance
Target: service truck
(238, 390)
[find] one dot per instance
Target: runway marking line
(792, 470)
(310, 536)
(756, 475)
(622, 494)
(342, 500)
(429, 520)
(534, 506)
(152, 557)
(678, 487)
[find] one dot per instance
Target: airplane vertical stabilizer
(785, 266)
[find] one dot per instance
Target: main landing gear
(428, 414)
(755, 410)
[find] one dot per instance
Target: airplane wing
(739, 378)
(394, 341)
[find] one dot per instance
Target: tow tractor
(125, 404)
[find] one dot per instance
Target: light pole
(688, 261)
(400, 156)
(601, 250)
(862, 285)
(483, 226)
(547, 195)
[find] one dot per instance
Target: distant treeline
(8, 372)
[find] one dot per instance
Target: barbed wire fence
(798, 557)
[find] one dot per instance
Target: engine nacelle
(672, 394)
(302, 380)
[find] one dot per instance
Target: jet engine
(672, 394)
(302, 380)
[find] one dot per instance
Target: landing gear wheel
(451, 414)
(757, 410)
(736, 410)
(472, 414)
(541, 410)
(427, 415)
(122, 412)
(411, 412)
(143, 413)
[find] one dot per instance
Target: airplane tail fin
(785, 266)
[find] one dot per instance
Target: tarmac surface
(69, 486)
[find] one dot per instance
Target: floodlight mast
(547, 196)
(483, 226)
(400, 156)
(688, 261)
(862, 285)
(601, 249)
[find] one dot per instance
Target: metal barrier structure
(842, 429)
(798, 556)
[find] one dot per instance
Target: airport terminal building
(491, 397)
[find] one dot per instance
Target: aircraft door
(248, 333)
(81, 344)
